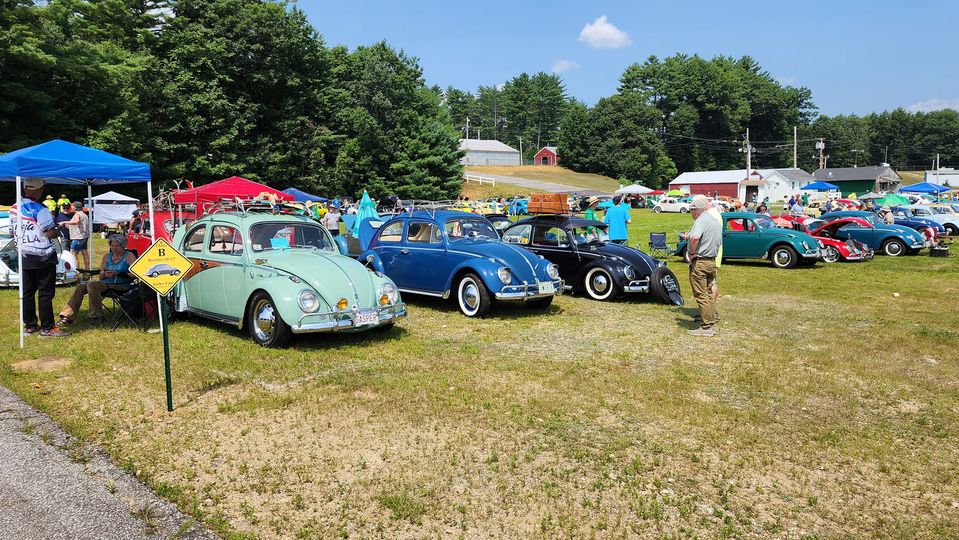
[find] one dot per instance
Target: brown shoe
(56, 331)
(702, 332)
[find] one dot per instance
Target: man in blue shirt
(617, 216)
(32, 225)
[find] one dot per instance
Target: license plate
(547, 288)
(366, 318)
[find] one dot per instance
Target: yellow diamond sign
(161, 267)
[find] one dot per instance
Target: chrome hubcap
(832, 255)
(600, 283)
(470, 296)
(782, 257)
(894, 248)
(265, 322)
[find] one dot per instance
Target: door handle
(204, 264)
(404, 252)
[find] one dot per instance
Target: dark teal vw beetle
(279, 275)
(747, 235)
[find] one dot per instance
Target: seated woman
(114, 275)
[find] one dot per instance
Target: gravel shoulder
(53, 486)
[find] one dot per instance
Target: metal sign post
(162, 267)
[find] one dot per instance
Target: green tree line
(204, 89)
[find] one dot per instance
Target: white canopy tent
(111, 207)
(634, 189)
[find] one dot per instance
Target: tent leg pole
(153, 238)
(19, 256)
(90, 226)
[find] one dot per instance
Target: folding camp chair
(135, 306)
(658, 246)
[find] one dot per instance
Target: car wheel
(663, 284)
(683, 210)
(266, 326)
(176, 272)
(599, 284)
(952, 230)
(658, 209)
(540, 303)
(831, 255)
(154, 274)
(893, 247)
(472, 297)
(784, 257)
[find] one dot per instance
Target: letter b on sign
(161, 252)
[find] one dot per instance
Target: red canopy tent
(227, 189)
(656, 192)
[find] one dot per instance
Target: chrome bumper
(637, 286)
(344, 320)
(527, 291)
(812, 254)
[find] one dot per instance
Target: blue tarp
(820, 186)
(302, 196)
(923, 187)
(62, 162)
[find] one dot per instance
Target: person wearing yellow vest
(62, 201)
(50, 204)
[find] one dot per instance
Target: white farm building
(488, 152)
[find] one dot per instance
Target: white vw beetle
(671, 204)
(9, 269)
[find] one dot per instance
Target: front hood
(523, 263)
(788, 233)
(332, 275)
(635, 258)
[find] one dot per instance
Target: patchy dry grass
(825, 408)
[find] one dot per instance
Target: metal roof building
(488, 152)
(873, 178)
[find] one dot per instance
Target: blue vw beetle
(448, 253)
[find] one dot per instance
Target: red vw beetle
(836, 250)
(138, 237)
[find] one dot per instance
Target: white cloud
(936, 104)
(601, 34)
(560, 66)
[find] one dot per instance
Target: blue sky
(856, 56)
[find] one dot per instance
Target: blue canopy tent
(820, 186)
(302, 196)
(62, 162)
(923, 187)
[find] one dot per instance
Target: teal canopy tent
(367, 210)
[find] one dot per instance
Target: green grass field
(827, 407)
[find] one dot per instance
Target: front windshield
(460, 228)
(266, 236)
(764, 222)
(921, 212)
(873, 219)
(589, 235)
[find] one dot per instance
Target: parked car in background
(942, 214)
(671, 204)
(747, 235)
(834, 250)
(138, 235)
(279, 275)
(10, 264)
(929, 228)
(868, 228)
(500, 222)
(589, 263)
(456, 255)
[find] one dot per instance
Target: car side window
(423, 233)
(550, 237)
(194, 239)
(518, 235)
(392, 232)
(226, 241)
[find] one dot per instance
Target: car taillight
(66, 265)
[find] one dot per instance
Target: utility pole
(821, 146)
(885, 155)
(479, 133)
(795, 148)
(520, 150)
(467, 127)
(749, 156)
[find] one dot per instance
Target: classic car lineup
(452, 254)
(747, 235)
(869, 228)
(279, 275)
(942, 214)
(834, 250)
(589, 262)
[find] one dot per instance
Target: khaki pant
(95, 289)
(702, 273)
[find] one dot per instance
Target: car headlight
(629, 272)
(388, 294)
(553, 271)
(821, 245)
(308, 300)
(504, 275)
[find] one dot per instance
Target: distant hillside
(557, 175)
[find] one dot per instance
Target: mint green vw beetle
(279, 275)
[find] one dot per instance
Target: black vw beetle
(589, 262)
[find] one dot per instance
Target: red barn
(546, 156)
